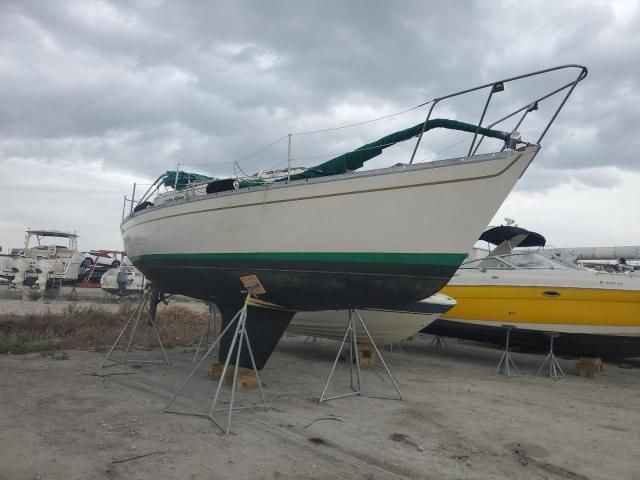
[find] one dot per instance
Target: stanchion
(357, 389)
(241, 339)
(551, 362)
(141, 309)
(506, 366)
(438, 343)
(206, 332)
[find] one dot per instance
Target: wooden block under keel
(246, 376)
(366, 354)
(590, 367)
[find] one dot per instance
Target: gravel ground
(61, 418)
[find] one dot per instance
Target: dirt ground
(13, 302)
(62, 418)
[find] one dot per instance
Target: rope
(310, 132)
(260, 150)
(434, 155)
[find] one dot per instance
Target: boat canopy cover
(346, 162)
(354, 160)
(184, 179)
(497, 235)
(52, 233)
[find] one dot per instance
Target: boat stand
(438, 343)
(506, 366)
(9, 291)
(142, 309)
(59, 293)
(398, 346)
(73, 294)
(206, 332)
(240, 337)
(353, 354)
(553, 369)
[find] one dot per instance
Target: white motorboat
(386, 326)
(50, 257)
(123, 281)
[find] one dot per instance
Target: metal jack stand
(206, 331)
(506, 366)
(353, 352)
(59, 294)
(438, 343)
(554, 371)
(9, 290)
(240, 337)
(73, 294)
(141, 309)
(398, 346)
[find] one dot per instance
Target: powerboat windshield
(513, 261)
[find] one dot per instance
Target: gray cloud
(137, 87)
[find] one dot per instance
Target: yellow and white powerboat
(598, 312)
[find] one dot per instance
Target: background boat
(536, 294)
(386, 326)
(50, 258)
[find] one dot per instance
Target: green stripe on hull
(444, 259)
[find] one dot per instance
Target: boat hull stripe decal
(445, 259)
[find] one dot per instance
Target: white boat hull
(131, 281)
(364, 239)
(385, 326)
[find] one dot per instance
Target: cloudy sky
(97, 95)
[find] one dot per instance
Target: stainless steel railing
(499, 86)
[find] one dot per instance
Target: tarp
(184, 179)
(346, 162)
(354, 160)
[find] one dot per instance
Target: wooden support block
(216, 370)
(590, 367)
(366, 354)
(592, 361)
(246, 376)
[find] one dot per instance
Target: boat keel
(265, 327)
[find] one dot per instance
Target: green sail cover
(346, 162)
(354, 160)
(184, 179)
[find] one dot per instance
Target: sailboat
(329, 237)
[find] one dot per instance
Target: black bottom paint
(303, 285)
(573, 344)
(264, 329)
(296, 286)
